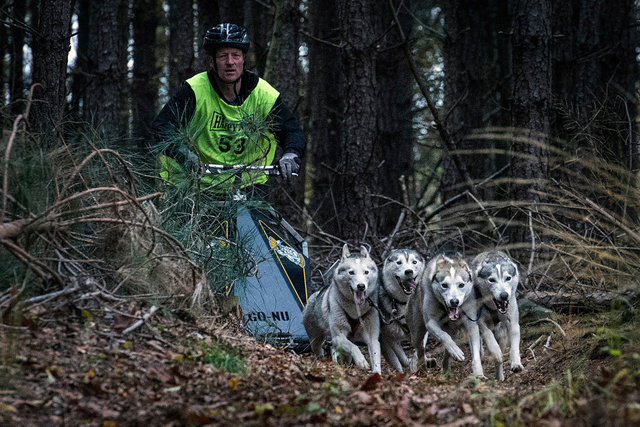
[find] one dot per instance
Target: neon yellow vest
(225, 134)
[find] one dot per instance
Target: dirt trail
(81, 370)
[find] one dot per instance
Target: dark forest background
(457, 125)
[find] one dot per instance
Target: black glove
(289, 164)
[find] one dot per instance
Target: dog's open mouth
(408, 286)
(454, 313)
(501, 305)
(359, 296)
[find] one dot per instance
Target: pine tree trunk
(531, 107)
(144, 86)
(105, 102)
(326, 86)
(471, 82)
(181, 54)
(394, 143)
(358, 169)
(50, 51)
(283, 72)
(208, 16)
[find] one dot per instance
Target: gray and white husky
(344, 311)
(400, 270)
(444, 302)
(496, 280)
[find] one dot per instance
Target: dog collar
(478, 314)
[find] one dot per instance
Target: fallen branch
(139, 322)
(530, 348)
(546, 319)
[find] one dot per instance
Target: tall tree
(357, 24)
(108, 37)
(181, 33)
(16, 65)
(531, 104)
(394, 141)
(326, 84)
(595, 76)
(282, 66)
(144, 86)
(208, 16)
(258, 19)
(50, 51)
(471, 76)
(284, 73)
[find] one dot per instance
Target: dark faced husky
(443, 303)
(397, 283)
(496, 280)
(343, 311)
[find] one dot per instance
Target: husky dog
(443, 302)
(343, 311)
(496, 279)
(397, 283)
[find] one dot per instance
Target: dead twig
(546, 319)
(530, 348)
(139, 322)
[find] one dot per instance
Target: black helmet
(226, 35)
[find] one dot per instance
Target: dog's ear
(364, 252)
(440, 261)
(515, 272)
(345, 251)
(429, 272)
(466, 267)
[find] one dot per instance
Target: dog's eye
(399, 262)
(414, 262)
(506, 279)
(366, 272)
(444, 285)
(461, 285)
(351, 272)
(492, 280)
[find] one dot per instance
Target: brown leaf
(371, 383)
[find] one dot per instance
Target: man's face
(229, 63)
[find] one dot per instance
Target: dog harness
(353, 323)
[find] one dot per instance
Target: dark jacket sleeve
(174, 115)
(287, 129)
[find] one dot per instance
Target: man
(227, 115)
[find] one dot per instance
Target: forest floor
(79, 369)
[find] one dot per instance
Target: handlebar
(215, 169)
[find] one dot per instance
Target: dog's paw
(516, 367)
(361, 362)
(479, 377)
(456, 352)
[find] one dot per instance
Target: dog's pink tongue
(359, 297)
(454, 314)
(412, 284)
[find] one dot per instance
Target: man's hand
(289, 164)
(193, 163)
